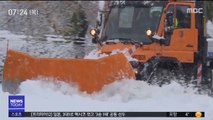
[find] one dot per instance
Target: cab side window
(182, 19)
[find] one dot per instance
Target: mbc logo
(194, 10)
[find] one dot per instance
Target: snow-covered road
(44, 94)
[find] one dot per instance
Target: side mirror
(169, 23)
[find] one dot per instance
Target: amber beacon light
(198, 114)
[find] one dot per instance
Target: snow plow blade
(90, 74)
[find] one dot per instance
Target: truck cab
(171, 25)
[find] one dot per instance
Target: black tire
(164, 73)
(162, 76)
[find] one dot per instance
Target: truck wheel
(163, 76)
(10, 86)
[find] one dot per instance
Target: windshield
(131, 22)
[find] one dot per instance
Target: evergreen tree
(79, 23)
(74, 24)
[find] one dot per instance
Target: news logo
(16, 102)
(16, 105)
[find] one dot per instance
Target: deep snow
(45, 94)
(125, 95)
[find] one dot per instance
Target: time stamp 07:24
(22, 12)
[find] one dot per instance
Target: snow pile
(44, 94)
(48, 84)
(96, 54)
(157, 37)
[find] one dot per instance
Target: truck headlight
(149, 33)
(136, 71)
(93, 32)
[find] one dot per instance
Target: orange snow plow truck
(166, 39)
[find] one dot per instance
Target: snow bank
(11, 38)
(125, 95)
(55, 38)
(96, 54)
